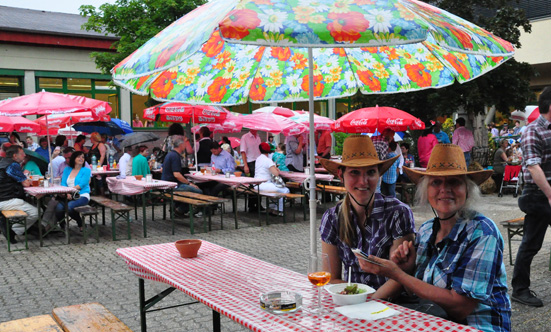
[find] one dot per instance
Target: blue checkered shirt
(536, 148)
(391, 174)
(14, 170)
(469, 261)
(390, 220)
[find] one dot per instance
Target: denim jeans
(388, 189)
(536, 206)
(467, 158)
(60, 209)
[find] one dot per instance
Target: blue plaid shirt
(390, 220)
(469, 261)
(391, 174)
(14, 170)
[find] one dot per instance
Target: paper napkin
(371, 310)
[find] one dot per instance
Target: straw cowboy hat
(358, 151)
(448, 160)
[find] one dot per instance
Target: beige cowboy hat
(448, 160)
(358, 151)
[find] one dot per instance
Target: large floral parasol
(268, 51)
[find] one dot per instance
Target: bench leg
(144, 206)
(215, 321)
(9, 223)
(191, 228)
(509, 235)
(235, 207)
(113, 226)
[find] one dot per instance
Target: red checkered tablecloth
(231, 181)
(230, 283)
(300, 177)
(131, 186)
(35, 191)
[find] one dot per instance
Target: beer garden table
(246, 184)
(132, 187)
(102, 173)
(39, 193)
(230, 283)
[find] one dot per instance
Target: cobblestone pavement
(35, 281)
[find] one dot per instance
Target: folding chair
(510, 179)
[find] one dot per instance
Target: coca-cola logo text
(358, 122)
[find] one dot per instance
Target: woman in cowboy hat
(457, 259)
(365, 219)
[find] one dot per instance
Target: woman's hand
(404, 256)
(387, 268)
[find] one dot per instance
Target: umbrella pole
(194, 140)
(49, 148)
(312, 177)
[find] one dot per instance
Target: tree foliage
(134, 22)
(507, 86)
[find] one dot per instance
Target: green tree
(134, 22)
(505, 87)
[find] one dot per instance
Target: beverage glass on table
(319, 276)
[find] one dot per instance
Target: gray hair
(468, 211)
(177, 140)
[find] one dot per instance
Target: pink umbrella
(235, 142)
(534, 115)
(232, 124)
(19, 124)
(273, 123)
(183, 113)
(276, 110)
(320, 122)
(51, 103)
(370, 119)
(63, 120)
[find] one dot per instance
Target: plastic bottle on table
(94, 162)
(111, 160)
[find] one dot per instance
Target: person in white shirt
(123, 162)
(264, 169)
(31, 144)
(250, 152)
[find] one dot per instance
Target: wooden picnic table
(230, 283)
(132, 187)
(39, 193)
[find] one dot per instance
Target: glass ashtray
(281, 302)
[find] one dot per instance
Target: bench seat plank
(14, 214)
(113, 205)
(88, 317)
(203, 197)
(43, 323)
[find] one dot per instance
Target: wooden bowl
(188, 248)
(237, 174)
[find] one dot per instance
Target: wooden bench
(327, 189)
(193, 202)
(15, 217)
(118, 211)
(88, 317)
(92, 214)
(514, 227)
(212, 200)
(272, 196)
(43, 323)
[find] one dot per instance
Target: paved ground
(34, 282)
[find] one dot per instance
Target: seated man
(223, 162)
(172, 166)
(12, 181)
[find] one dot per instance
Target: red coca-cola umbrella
(183, 113)
(370, 119)
(232, 124)
(63, 120)
(41, 103)
(534, 115)
(19, 124)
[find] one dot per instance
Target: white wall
(535, 46)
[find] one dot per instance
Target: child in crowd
(388, 184)
(279, 157)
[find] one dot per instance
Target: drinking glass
(319, 276)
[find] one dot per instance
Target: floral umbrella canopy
(268, 51)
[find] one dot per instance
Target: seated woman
(457, 259)
(76, 176)
(279, 157)
(365, 219)
(500, 161)
(140, 166)
(30, 167)
(264, 169)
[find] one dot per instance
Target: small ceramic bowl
(138, 177)
(188, 248)
(237, 174)
(341, 299)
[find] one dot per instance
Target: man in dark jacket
(12, 181)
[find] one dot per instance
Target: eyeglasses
(452, 182)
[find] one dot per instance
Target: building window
(11, 86)
(87, 87)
